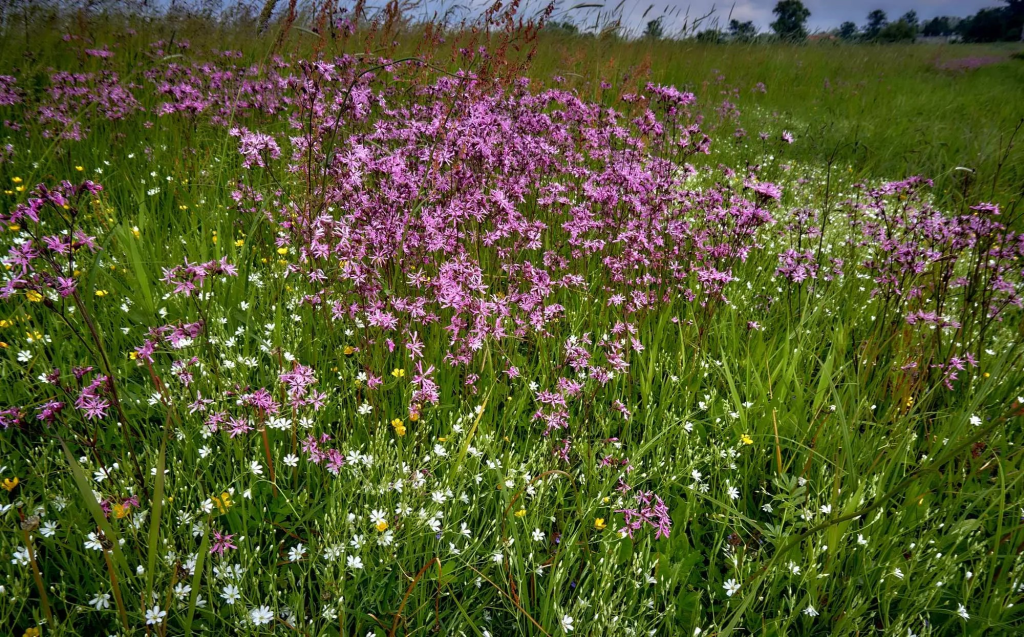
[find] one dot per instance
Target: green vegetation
(348, 344)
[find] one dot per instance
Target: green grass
(847, 470)
(885, 111)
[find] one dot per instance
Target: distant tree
(992, 25)
(987, 25)
(565, 27)
(791, 19)
(939, 26)
(898, 31)
(711, 36)
(848, 31)
(655, 29)
(742, 31)
(910, 17)
(876, 22)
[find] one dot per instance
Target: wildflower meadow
(358, 325)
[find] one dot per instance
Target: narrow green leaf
(154, 520)
(82, 482)
(197, 576)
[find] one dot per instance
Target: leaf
(141, 276)
(197, 575)
(154, 520)
(82, 482)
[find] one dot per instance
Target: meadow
(383, 330)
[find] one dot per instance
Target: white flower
(538, 535)
(567, 623)
(498, 557)
(962, 612)
(377, 516)
(810, 612)
(733, 492)
(354, 562)
(93, 542)
(20, 556)
(155, 616)
(24, 356)
(898, 573)
(730, 587)
(255, 467)
(861, 540)
(101, 601)
(975, 421)
(296, 552)
(291, 460)
(826, 509)
(48, 528)
(261, 615)
(230, 594)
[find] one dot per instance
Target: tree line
(1004, 23)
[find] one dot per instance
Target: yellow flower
(34, 296)
(222, 502)
(282, 250)
(3, 345)
(32, 632)
(599, 524)
(605, 500)
(521, 513)
(20, 189)
(414, 416)
(135, 231)
(14, 227)
(747, 440)
(382, 526)
(398, 373)
(120, 511)
(349, 350)
(16, 180)
(5, 323)
(986, 374)
(9, 484)
(101, 292)
(399, 426)
(79, 168)
(239, 243)
(184, 207)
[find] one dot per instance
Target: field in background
(886, 111)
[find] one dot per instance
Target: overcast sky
(825, 14)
